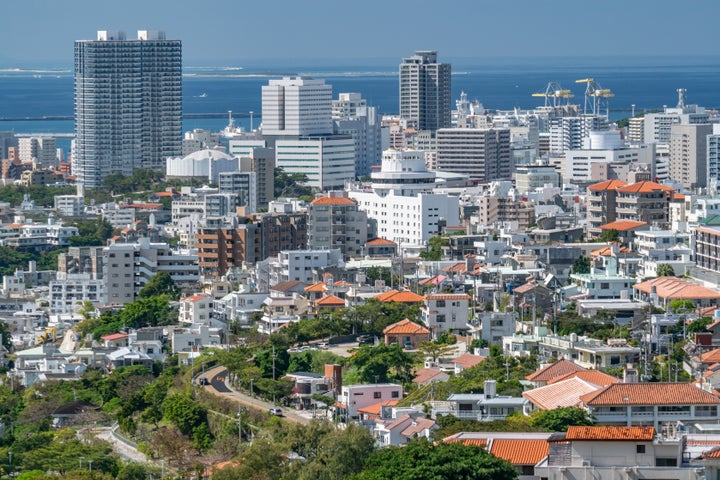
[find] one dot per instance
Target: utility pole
(239, 415)
(273, 369)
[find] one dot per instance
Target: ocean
(40, 100)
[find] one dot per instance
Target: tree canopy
(421, 459)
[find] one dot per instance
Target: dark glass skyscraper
(128, 104)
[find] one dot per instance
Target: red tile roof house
(405, 333)
(652, 404)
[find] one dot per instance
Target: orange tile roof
(650, 394)
(557, 369)
(194, 298)
(376, 408)
(400, 297)
(597, 433)
(330, 300)
(676, 288)
(468, 360)
(597, 377)
(333, 201)
(455, 268)
(711, 357)
(469, 442)
(164, 194)
(644, 187)
(678, 196)
(561, 394)
(448, 296)
(380, 241)
(114, 336)
(713, 453)
(520, 452)
(607, 251)
(607, 185)
(286, 285)
(405, 327)
(316, 287)
(622, 225)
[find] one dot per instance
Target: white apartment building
(41, 150)
(568, 133)
(70, 205)
(446, 312)
(205, 205)
(688, 154)
(328, 161)
(296, 106)
(117, 216)
(401, 201)
(69, 291)
(483, 154)
(40, 235)
(196, 309)
(127, 267)
(300, 265)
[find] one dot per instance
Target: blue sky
(238, 32)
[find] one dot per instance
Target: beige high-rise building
(425, 91)
(688, 154)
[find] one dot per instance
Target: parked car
(322, 346)
(408, 345)
(203, 381)
(275, 411)
(365, 340)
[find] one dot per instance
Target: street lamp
(252, 392)
(81, 458)
(10, 453)
(90, 464)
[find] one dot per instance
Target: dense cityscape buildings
(560, 265)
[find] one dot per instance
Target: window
(639, 448)
(377, 394)
(604, 286)
(440, 303)
(395, 394)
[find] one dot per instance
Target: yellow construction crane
(555, 92)
(595, 97)
(49, 334)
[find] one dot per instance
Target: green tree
(435, 351)
(160, 284)
(608, 236)
(382, 363)
(665, 270)
(681, 306)
(581, 265)
(184, 413)
(421, 459)
(559, 419)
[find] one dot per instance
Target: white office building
(483, 154)
(401, 201)
(128, 104)
(352, 116)
(328, 161)
(296, 106)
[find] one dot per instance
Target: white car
(275, 411)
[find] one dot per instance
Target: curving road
(217, 385)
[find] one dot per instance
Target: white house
(196, 309)
(446, 312)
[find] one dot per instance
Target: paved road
(121, 448)
(218, 385)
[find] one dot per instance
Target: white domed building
(203, 164)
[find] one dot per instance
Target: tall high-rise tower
(425, 91)
(294, 106)
(128, 104)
